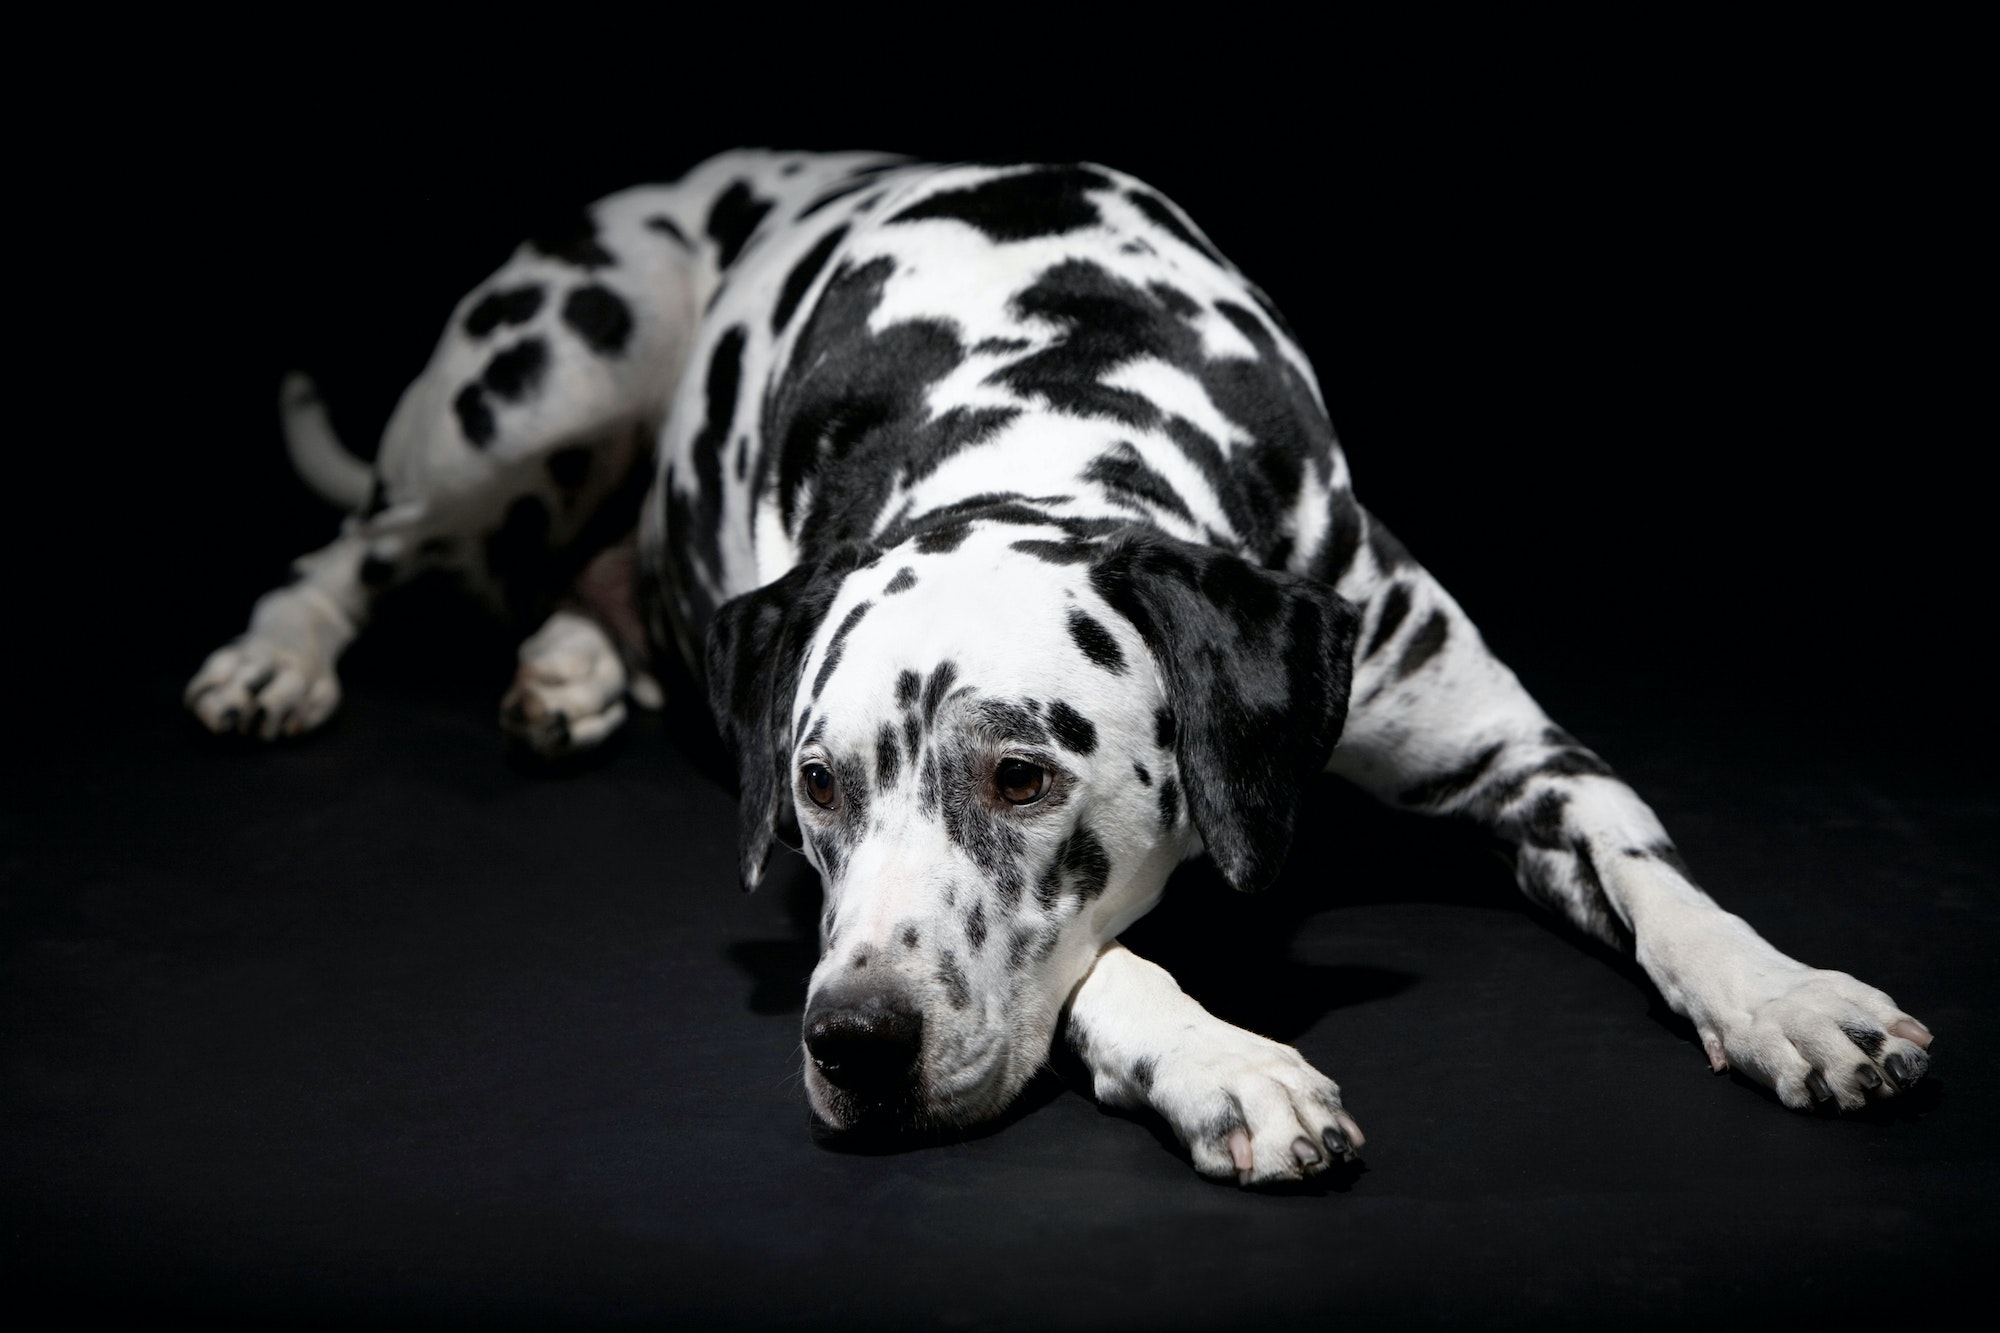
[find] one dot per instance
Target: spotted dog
(1004, 519)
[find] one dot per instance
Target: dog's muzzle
(865, 1040)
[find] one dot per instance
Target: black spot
(799, 731)
(1076, 732)
(837, 644)
(475, 418)
(735, 215)
(1395, 606)
(975, 925)
(1160, 215)
(666, 226)
(573, 239)
(376, 572)
(936, 687)
(1170, 803)
(1095, 641)
(945, 537)
(1165, 730)
(912, 735)
(1542, 826)
(1145, 778)
(888, 759)
(1127, 480)
(1870, 1040)
(600, 317)
(703, 534)
(907, 685)
(955, 988)
(569, 468)
(516, 305)
(1586, 872)
(1089, 867)
(909, 937)
(906, 579)
(1344, 522)
(1423, 645)
(997, 346)
(1142, 1073)
(1048, 201)
(1439, 790)
(800, 279)
(1055, 553)
(516, 372)
(1025, 943)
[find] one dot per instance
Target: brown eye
(1020, 782)
(820, 785)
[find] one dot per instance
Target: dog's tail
(318, 454)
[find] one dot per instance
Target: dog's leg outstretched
(1438, 724)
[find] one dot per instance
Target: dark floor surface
(1654, 366)
(379, 1025)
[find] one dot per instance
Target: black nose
(865, 1042)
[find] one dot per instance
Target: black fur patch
(475, 418)
(600, 317)
(943, 538)
(837, 644)
(1127, 480)
(1048, 201)
(1395, 606)
(703, 535)
(1870, 1040)
(908, 683)
(800, 279)
(517, 372)
(1139, 772)
(937, 687)
(735, 215)
(1095, 641)
(975, 925)
(1170, 803)
(573, 240)
(516, 305)
(906, 579)
(1076, 732)
(1423, 645)
(1056, 553)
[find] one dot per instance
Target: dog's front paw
(1814, 1036)
(1252, 1110)
(569, 693)
(254, 687)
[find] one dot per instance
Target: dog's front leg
(1249, 1109)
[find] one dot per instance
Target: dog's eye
(1020, 782)
(820, 785)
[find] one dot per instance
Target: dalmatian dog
(1004, 519)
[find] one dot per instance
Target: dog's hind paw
(254, 687)
(569, 693)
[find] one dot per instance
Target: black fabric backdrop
(1655, 367)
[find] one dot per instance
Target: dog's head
(994, 744)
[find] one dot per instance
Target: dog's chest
(895, 341)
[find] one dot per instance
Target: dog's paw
(569, 693)
(1252, 1110)
(1814, 1036)
(254, 687)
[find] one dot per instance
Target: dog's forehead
(985, 619)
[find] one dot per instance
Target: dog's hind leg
(1438, 724)
(504, 465)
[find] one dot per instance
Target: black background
(1654, 347)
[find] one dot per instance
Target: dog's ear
(1257, 666)
(755, 645)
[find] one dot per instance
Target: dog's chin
(962, 1101)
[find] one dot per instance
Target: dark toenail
(1335, 1141)
(1816, 1085)
(1903, 1070)
(1869, 1078)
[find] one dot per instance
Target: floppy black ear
(1257, 666)
(755, 645)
